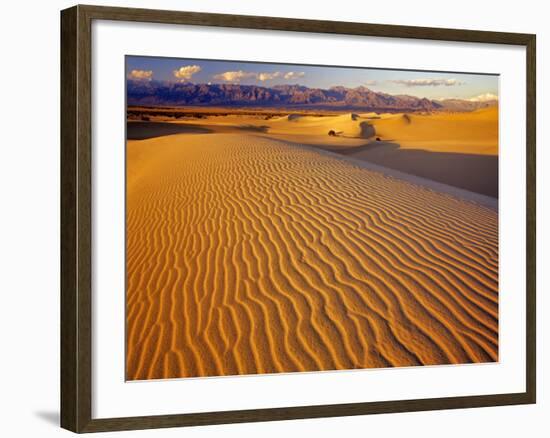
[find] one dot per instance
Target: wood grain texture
(76, 327)
(76, 297)
(69, 320)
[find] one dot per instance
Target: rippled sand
(251, 255)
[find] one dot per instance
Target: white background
(29, 231)
(112, 397)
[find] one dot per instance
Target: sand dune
(250, 255)
(473, 132)
(458, 149)
(345, 125)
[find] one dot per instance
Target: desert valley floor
(254, 250)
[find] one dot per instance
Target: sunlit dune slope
(473, 132)
(250, 255)
(346, 125)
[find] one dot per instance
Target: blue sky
(433, 85)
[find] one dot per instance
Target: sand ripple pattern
(247, 255)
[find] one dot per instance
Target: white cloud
(186, 72)
(237, 76)
(371, 82)
(234, 76)
(426, 82)
(268, 76)
(294, 75)
(484, 97)
(145, 75)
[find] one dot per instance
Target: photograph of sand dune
(298, 218)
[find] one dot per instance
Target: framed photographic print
(268, 218)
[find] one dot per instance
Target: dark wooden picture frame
(76, 218)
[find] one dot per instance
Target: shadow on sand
(145, 130)
(476, 173)
(253, 128)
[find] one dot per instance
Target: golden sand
(248, 254)
(457, 149)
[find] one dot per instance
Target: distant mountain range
(155, 93)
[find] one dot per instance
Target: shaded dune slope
(247, 255)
